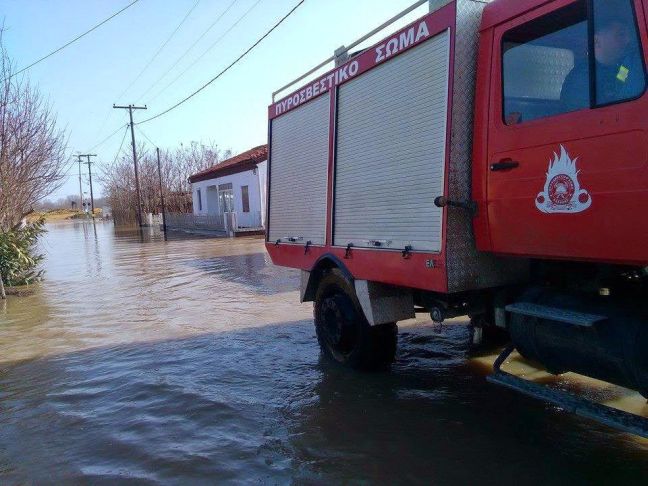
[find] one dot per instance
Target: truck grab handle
(504, 165)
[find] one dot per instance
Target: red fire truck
(489, 160)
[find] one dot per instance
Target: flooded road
(191, 361)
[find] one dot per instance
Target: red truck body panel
(418, 270)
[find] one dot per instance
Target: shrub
(18, 258)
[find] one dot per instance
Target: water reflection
(253, 270)
(190, 361)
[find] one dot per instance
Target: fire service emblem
(562, 192)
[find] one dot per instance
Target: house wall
(256, 190)
(263, 189)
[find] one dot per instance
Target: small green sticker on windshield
(623, 74)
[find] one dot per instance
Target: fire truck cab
(488, 159)
(561, 110)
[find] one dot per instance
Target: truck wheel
(342, 330)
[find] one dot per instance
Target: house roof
(247, 160)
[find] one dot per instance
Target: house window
(199, 200)
(246, 199)
(571, 60)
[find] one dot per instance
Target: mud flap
(382, 304)
(305, 293)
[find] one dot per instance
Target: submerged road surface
(191, 361)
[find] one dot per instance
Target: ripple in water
(191, 361)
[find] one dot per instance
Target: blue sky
(83, 81)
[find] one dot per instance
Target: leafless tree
(32, 148)
(119, 179)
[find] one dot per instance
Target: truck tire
(343, 332)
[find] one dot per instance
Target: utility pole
(161, 190)
(90, 175)
(130, 109)
(80, 186)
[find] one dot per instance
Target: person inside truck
(619, 71)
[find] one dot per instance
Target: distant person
(619, 73)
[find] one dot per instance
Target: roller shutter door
(298, 173)
(391, 149)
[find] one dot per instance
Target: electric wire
(157, 53)
(216, 42)
(67, 174)
(109, 114)
(73, 40)
(145, 136)
(182, 56)
(107, 138)
(227, 68)
(121, 144)
(73, 162)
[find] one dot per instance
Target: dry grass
(60, 214)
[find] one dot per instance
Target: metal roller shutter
(391, 150)
(298, 173)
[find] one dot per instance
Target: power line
(145, 136)
(74, 40)
(104, 122)
(120, 145)
(107, 138)
(182, 56)
(228, 67)
(157, 53)
(208, 49)
(66, 175)
(109, 114)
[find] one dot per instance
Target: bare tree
(119, 179)
(32, 148)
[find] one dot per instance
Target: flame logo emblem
(562, 192)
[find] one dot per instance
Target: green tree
(18, 258)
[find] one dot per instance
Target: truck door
(567, 146)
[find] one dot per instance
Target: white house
(235, 185)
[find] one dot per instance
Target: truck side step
(555, 314)
(617, 419)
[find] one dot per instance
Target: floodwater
(191, 361)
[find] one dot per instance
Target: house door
(226, 198)
(567, 142)
(212, 200)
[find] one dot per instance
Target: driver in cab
(618, 77)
